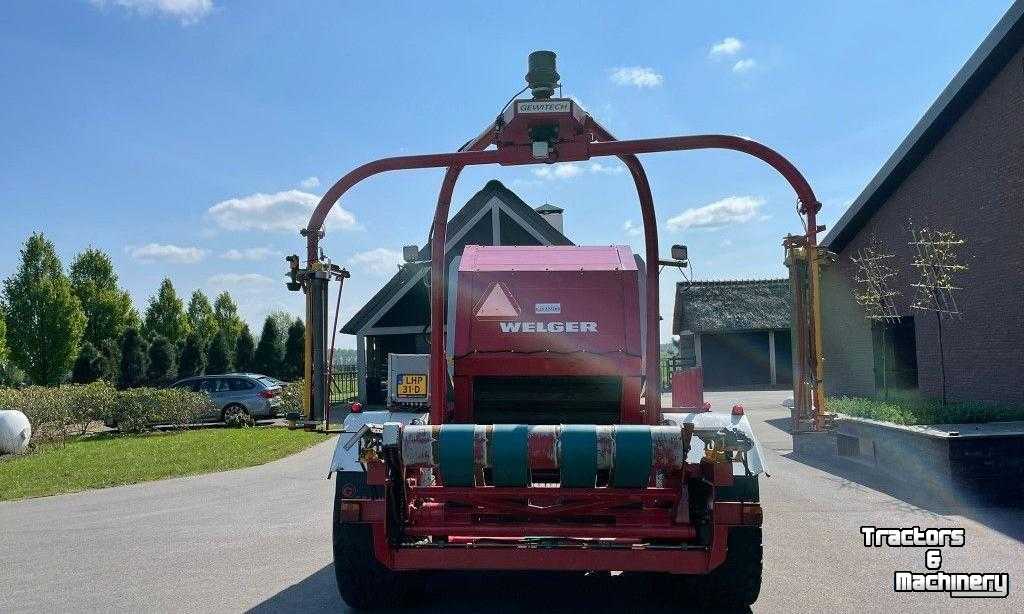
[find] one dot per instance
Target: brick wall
(972, 182)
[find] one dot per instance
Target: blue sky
(189, 138)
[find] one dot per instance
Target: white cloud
(239, 279)
(632, 229)
(637, 76)
(565, 170)
(606, 169)
(380, 261)
(186, 11)
(729, 210)
(286, 211)
(309, 183)
(744, 65)
(729, 45)
(249, 253)
(165, 252)
(568, 170)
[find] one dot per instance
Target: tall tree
(44, 318)
(219, 357)
(226, 311)
(88, 366)
(269, 351)
(245, 349)
(193, 356)
(201, 319)
(111, 352)
(133, 359)
(165, 316)
(3, 338)
(295, 351)
(162, 367)
(108, 309)
(284, 322)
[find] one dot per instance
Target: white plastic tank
(15, 431)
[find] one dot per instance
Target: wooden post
(771, 357)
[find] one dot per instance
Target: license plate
(412, 385)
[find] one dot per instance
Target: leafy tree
(226, 311)
(110, 350)
(201, 318)
(165, 316)
(295, 351)
(44, 318)
(245, 349)
(269, 351)
(284, 322)
(3, 339)
(89, 366)
(108, 309)
(162, 367)
(219, 359)
(133, 359)
(193, 356)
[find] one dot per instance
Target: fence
(671, 363)
(344, 383)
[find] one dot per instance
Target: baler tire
(363, 582)
(736, 583)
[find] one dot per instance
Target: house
(738, 331)
(397, 318)
(960, 170)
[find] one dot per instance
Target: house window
(895, 355)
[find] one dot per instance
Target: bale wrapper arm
(546, 446)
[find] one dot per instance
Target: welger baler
(544, 445)
(545, 460)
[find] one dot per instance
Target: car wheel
(233, 410)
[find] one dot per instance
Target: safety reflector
(497, 304)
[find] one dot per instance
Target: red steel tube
(470, 155)
(582, 531)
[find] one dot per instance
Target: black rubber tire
(241, 410)
(736, 583)
(363, 582)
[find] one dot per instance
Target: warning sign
(497, 303)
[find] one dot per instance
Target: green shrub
(291, 398)
(910, 410)
(138, 409)
(58, 412)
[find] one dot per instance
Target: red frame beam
(473, 153)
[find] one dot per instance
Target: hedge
(58, 412)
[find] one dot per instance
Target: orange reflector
(350, 511)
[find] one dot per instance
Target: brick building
(960, 169)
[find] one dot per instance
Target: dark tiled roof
(995, 51)
(549, 208)
(455, 224)
(720, 306)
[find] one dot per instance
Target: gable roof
(722, 306)
(463, 220)
(995, 51)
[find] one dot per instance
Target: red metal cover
(547, 298)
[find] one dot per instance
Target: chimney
(551, 214)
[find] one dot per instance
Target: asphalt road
(259, 539)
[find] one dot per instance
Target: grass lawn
(910, 411)
(113, 460)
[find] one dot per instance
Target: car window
(191, 384)
(213, 385)
(237, 383)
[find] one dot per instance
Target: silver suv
(257, 395)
